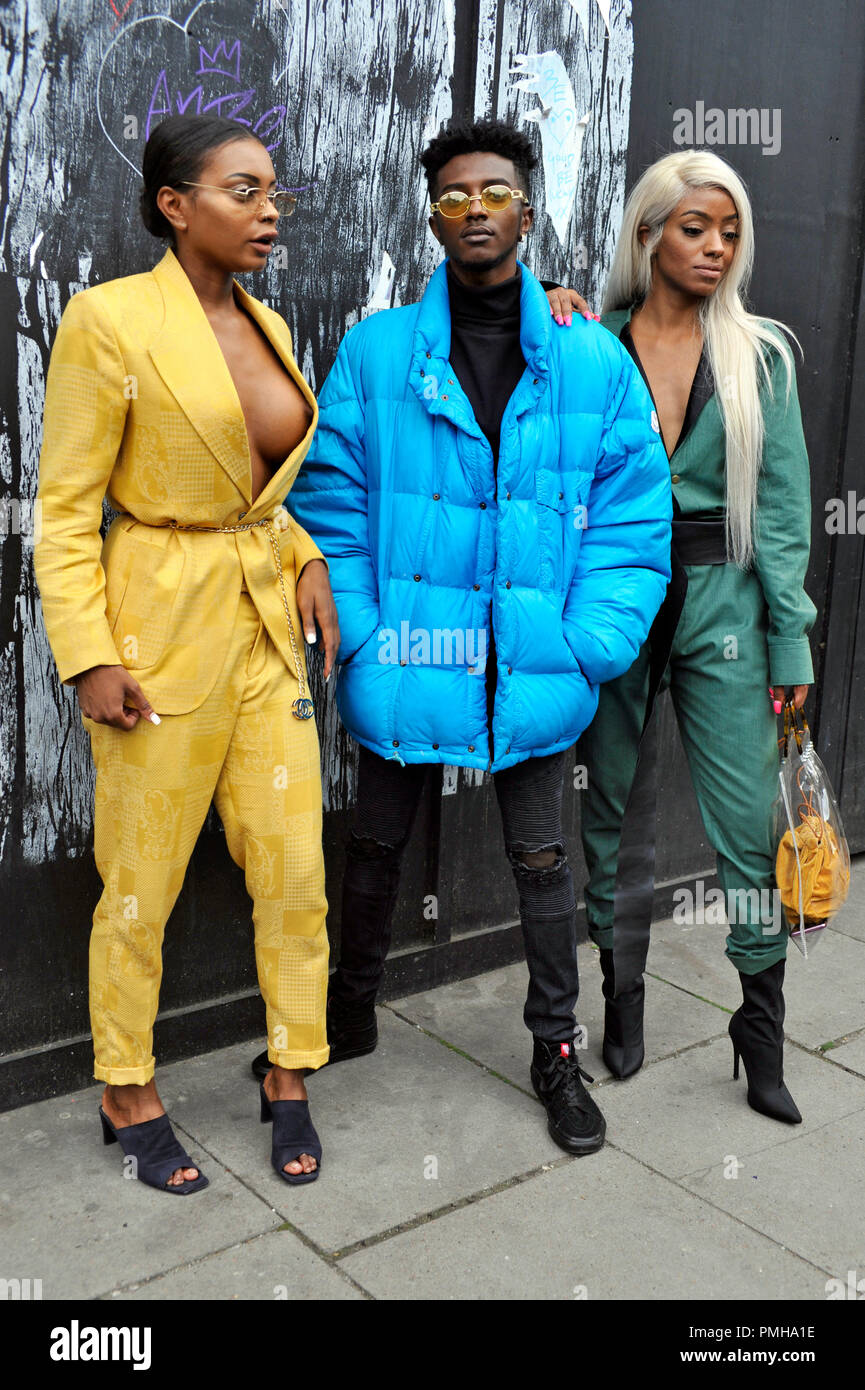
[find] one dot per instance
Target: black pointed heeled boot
(624, 1049)
(757, 1033)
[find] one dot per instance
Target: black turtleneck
(485, 348)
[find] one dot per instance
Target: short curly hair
(479, 137)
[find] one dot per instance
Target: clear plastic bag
(812, 857)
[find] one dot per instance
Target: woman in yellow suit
(177, 393)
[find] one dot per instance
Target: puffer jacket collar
(432, 376)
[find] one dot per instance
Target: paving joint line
(482, 1066)
(707, 1201)
(286, 1225)
(458, 1204)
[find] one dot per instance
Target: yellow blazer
(140, 404)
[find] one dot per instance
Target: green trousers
(718, 677)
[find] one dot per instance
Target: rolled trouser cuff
(295, 1061)
(125, 1076)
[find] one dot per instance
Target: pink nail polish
(568, 321)
(559, 319)
(586, 314)
(776, 705)
(597, 318)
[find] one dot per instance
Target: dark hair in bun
(175, 152)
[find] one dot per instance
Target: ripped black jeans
(530, 800)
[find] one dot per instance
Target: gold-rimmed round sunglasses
(494, 198)
(253, 198)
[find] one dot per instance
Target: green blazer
(782, 540)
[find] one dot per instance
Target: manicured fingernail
(776, 705)
(327, 677)
(567, 321)
(310, 637)
(154, 719)
(586, 314)
(596, 317)
(559, 319)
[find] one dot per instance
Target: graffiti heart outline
(157, 19)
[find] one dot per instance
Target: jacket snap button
(471, 748)
(483, 506)
(435, 745)
(534, 381)
(508, 496)
(561, 495)
(422, 371)
(675, 478)
(436, 496)
(402, 663)
(510, 670)
(471, 670)
(417, 576)
(450, 381)
(508, 585)
(241, 515)
(444, 398)
(476, 587)
(396, 743)
(429, 354)
(508, 749)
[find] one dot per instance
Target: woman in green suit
(736, 619)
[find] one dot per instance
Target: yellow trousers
(245, 750)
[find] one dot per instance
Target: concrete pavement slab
(275, 1267)
(601, 1227)
(808, 1194)
(851, 919)
(406, 1130)
(68, 1217)
(687, 1113)
(825, 994)
(692, 958)
(850, 1054)
(484, 1017)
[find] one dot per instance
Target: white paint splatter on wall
(562, 132)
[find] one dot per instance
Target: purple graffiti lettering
(210, 62)
(278, 115)
(182, 103)
(242, 98)
(153, 109)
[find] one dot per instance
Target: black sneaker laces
(569, 1072)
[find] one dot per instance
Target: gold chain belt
(302, 707)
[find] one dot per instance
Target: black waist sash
(696, 541)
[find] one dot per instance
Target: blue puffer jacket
(566, 549)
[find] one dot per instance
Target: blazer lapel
(190, 361)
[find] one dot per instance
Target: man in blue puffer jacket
(494, 503)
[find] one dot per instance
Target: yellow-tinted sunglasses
(495, 198)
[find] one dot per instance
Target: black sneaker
(573, 1119)
(352, 1031)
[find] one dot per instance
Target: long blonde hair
(735, 340)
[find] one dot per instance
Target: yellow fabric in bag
(825, 875)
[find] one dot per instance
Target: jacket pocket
(142, 587)
(562, 515)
